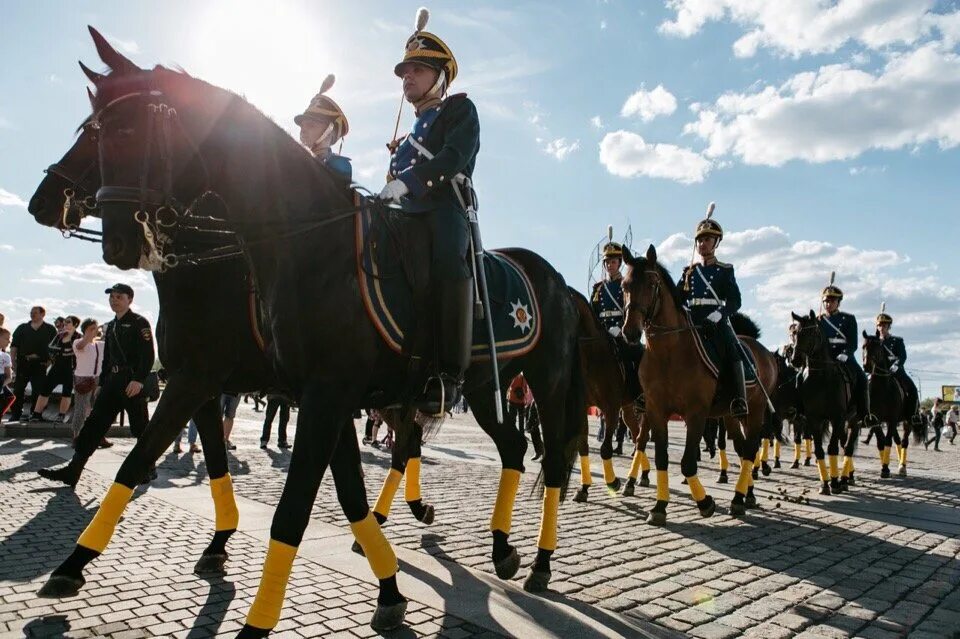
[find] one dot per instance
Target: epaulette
(596, 285)
(723, 264)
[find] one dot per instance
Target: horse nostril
(112, 248)
(37, 204)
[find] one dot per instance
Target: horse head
(68, 192)
(808, 340)
(874, 356)
(647, 290)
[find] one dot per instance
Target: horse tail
(919, 430)
(744, 326)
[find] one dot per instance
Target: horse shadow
(214, 608)
(17, 446)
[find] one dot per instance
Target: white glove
(894, 368)
(714, 317)
(614, 330)
(842, 357)
(394, 190)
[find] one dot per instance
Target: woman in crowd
(88, 355)
(61, 372)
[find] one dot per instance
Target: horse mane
(744, 325)
(670, 283)
(587, 316)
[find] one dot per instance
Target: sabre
(463, 184)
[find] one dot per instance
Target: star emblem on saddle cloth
(521, 316)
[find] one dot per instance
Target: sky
(826, 131)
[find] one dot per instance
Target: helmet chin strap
(434, 95)
(322, 142)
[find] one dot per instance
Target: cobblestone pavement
(881, 561)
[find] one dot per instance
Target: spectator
(374, 421)
(88, 351)
(952, 419)
(58, 324)
(61, 372)
(936, 418)
(127, 360)
(191, 439)
(519, 399)
(229, 403)
(275, 403)
(30, 356)
(6, 371)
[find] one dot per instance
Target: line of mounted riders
(253, 245)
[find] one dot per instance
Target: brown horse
(675, 380)
(606, 389)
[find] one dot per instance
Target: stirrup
(738, 407)
(426, 404)
(871, 420)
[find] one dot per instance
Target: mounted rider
(322, 125)
(897, 355)
(606, 300)
(711, 294)
(840, 330)
(438, 189)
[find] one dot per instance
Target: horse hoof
(630, 489)
(508, 566)
(615, 485)
(776, 463)
(885, 472)
(655, 518)
(722, 479)
(581, 496)
(737, 510)
(766, 469)
(750, 502)
(902, 471)
(755, 473)
(795, 464)
(825, 489)
(212, 564)
(644, 481)
(428, 515)
(709, 508)
(389, 617)
(357, 548)
(537, 581)
(851, 481)
(806, 462)
(60, 586)
(249, 632)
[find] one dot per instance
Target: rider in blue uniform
(429, 176)
(607, 303)
(712, 295)
(322, 125)
(840, 330)
(897, 354)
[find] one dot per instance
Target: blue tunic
(840, 329)
(607, 303)
(698, 297)
(339, 165)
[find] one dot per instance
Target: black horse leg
(209, 423)
(688, 466)
(846, 471)
(818, 453)
(658, 426)
(886, 447)
(423, 512)
(641, 463)
(586, 480)
(180, 400)
(833, 452)
(606, 452)
(722, 447)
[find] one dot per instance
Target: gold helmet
(709, 226)
(831, 290)
(426, 48)
(324, 110)
(883, 318)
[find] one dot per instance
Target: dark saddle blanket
(393, 265)
(711, 349)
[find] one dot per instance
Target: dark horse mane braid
(745, 326)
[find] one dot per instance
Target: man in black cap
(127, 360)
(30, 357)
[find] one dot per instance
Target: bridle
(78, 200)
(877, 367)
(653, 308)
(808, 353)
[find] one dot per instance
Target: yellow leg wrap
(548, 519)
(847, 466)
(796, 452)
(99, 531)
(834, 467)
(756, 460)
(886, 456)
(224, 504)
(609, 476)
(663, 486)
(379, 552)
(776, 449)
(808, 447)
(644, 461)
(724, 462)
(765, 450)
(743, 481)
(696, 488)
(411, 480)
(506, 494)
(635, 466)
(903, 456)
(899, 452)
(822, 469)
(265, 611)
(585, 478)
(387, 491)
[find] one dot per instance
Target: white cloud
(6, 247)
(93, 273)
(865, 170)
(801, 27)
(837, 112)
(603, 25)
(11, 199)
(596, 122)
(561, 148)
(649, 104)
(626, 154)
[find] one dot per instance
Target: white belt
(837, 340)
(611, 314)
(703, 301)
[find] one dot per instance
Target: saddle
(711, 349)
(393, 268)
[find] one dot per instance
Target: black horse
(828, 406)
(891, 405)
(295, 223)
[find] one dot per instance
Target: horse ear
(116, 61)
(651, 253)
(628, 258)
(812, 314)
(92, 75)
(93, 98)
(865, 336)
(795, 317)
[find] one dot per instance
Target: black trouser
(60, 374)
(273, 404)
(621, 431)
(912, 396)
(111, 399)
(630, 355)
(33, 371)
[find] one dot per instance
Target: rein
(82, 206)
(650, 329)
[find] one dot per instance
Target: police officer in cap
(712, 295)
(607, 303)
(127, 360)
(322, 125)
(840, 329)
(897, 353)
(448, 129)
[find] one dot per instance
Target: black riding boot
(454, 342)
(738, 405)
